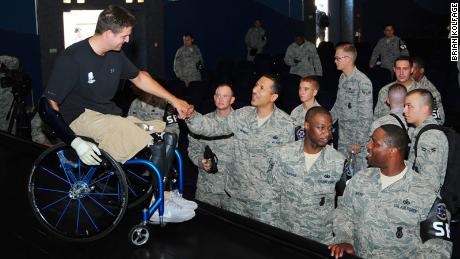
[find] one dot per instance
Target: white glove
(87, 151)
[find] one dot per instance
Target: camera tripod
(17, 116)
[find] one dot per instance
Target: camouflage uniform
(299, 112)
(154, 110)
(307, 198)
(210, 187)
(247, 185)
(186, 63)
(388, 119)
(353, 110)
(309, 64)
(6, 96)
(6, 99)
(382, 108)
(37, 133)
(388, 50)
(386, 223)
(438, 109)
(255, 38)
(432, 153)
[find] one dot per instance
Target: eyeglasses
(340, 58)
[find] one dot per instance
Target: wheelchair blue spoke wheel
(73, 201)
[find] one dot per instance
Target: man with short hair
(303, 58)
(353, 106)
(305, 173)
(432, 147)
(308, 89)
(396, 97)
(256, 129)
(381, 211)
(188, 61)
(255, 40)
(388, 49)
(403, 68)
(82, 84)
(210, 186)
(423, 83)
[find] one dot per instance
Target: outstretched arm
(147, 84)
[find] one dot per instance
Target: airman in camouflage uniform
(210, 187)
(353, 106)
(432, 147)
(308, 194)
(188, 61)
(308, 89)
(255, 40)
(388, 49)
(303, 58)
(403, 69)
(396, 96)
(150, 107)
(424, 83)
(255, 130)
(380, 213)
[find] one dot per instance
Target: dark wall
(18, 16)
(412, 18)
(19, 38)
(219, 28)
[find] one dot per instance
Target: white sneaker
(176, 197)
(173, 213)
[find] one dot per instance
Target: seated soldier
(383, 207)
(82, 84)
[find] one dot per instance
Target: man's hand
(337, 250)
(206, 165)
(355, 148)
(184, 109)
(87, 151)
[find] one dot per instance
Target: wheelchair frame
(81, 198)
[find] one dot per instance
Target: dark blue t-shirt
(82, 79)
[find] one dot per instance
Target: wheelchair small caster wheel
(139, 235)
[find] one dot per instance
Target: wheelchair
(80, 203)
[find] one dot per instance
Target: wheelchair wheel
(73, 201)
(139, 235)
(140, 178)
(141, 181)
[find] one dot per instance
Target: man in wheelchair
(78, 101)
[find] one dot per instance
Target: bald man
(383, 206)
(305, 173)
(396, 96)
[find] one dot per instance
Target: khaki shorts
(118, 136)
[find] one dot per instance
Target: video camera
(19, 81)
